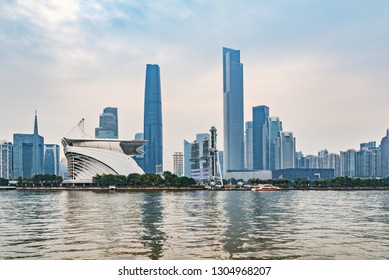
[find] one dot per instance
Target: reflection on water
(194, 225)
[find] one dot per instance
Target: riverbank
(174, 188)
(110, 188)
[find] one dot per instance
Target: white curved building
(90, 157)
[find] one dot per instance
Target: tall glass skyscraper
(28, 153)
(51, 165)
(285, 150)
(248, 146)
(152, 127)
(233, 110)
(108, 125)
(261, 137)
(275, 127)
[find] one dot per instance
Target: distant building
(200, 157)
(28, 153)
(140, 159)
(233, 110)
(246, 175)
(275, 127)
(108, 125)
(385, 155)
(285, 150)
(6, 159)
(52, 161)
(178, 163)
(152, 127)
(248, 146)
(63, 168)
(261, 138)
(187, 156)
(303, 173)
(348, 162)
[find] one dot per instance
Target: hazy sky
(321, 66)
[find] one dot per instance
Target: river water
(194, 225)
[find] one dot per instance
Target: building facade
(285, 150)
(178, 163)
(140, 159)
(28, 153)
(260, 138)
(6, 159)
(248, 146)
(275, 127)
(233, 114)
(52, 159)
(152, 127)
(385, 155)
(108, 124)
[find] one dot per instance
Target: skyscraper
(275, 126)
(233, 110)
(6, 156)
(261, 137)
(51, 164)
(385, 156)
(187, 156)
(285, 150)
(108, 125)
(248, 146)
(152, 127)
(28, 153)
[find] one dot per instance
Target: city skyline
(321, 69)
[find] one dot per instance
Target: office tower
(233, 110)
(140, 159)
(348, 163)
(152, 128)
(248, 146)
(51, 163)
(28, 153)
(385, 156)
(260, 138)
(6, 156)
(275, 126)
(285, 150)
(108, 125)
(178, 163)
(367, 146)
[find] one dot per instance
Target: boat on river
(265, 188)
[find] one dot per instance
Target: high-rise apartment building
(6, 157)
(52, 159)
(178, 163)
(348, 163)
(248, 146)
(28, 153)
(275, 127)
(152, 127)
(285, 150)
(108, 124)
(233, 110)
(385, 155)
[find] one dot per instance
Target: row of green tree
(335, 182)
(167, 179)
(40, 180)
(4, 182)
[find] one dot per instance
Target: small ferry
(265, 188)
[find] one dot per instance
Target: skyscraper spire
(36, 124)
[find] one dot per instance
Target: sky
(321, 66)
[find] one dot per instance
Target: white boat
(265, 188)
